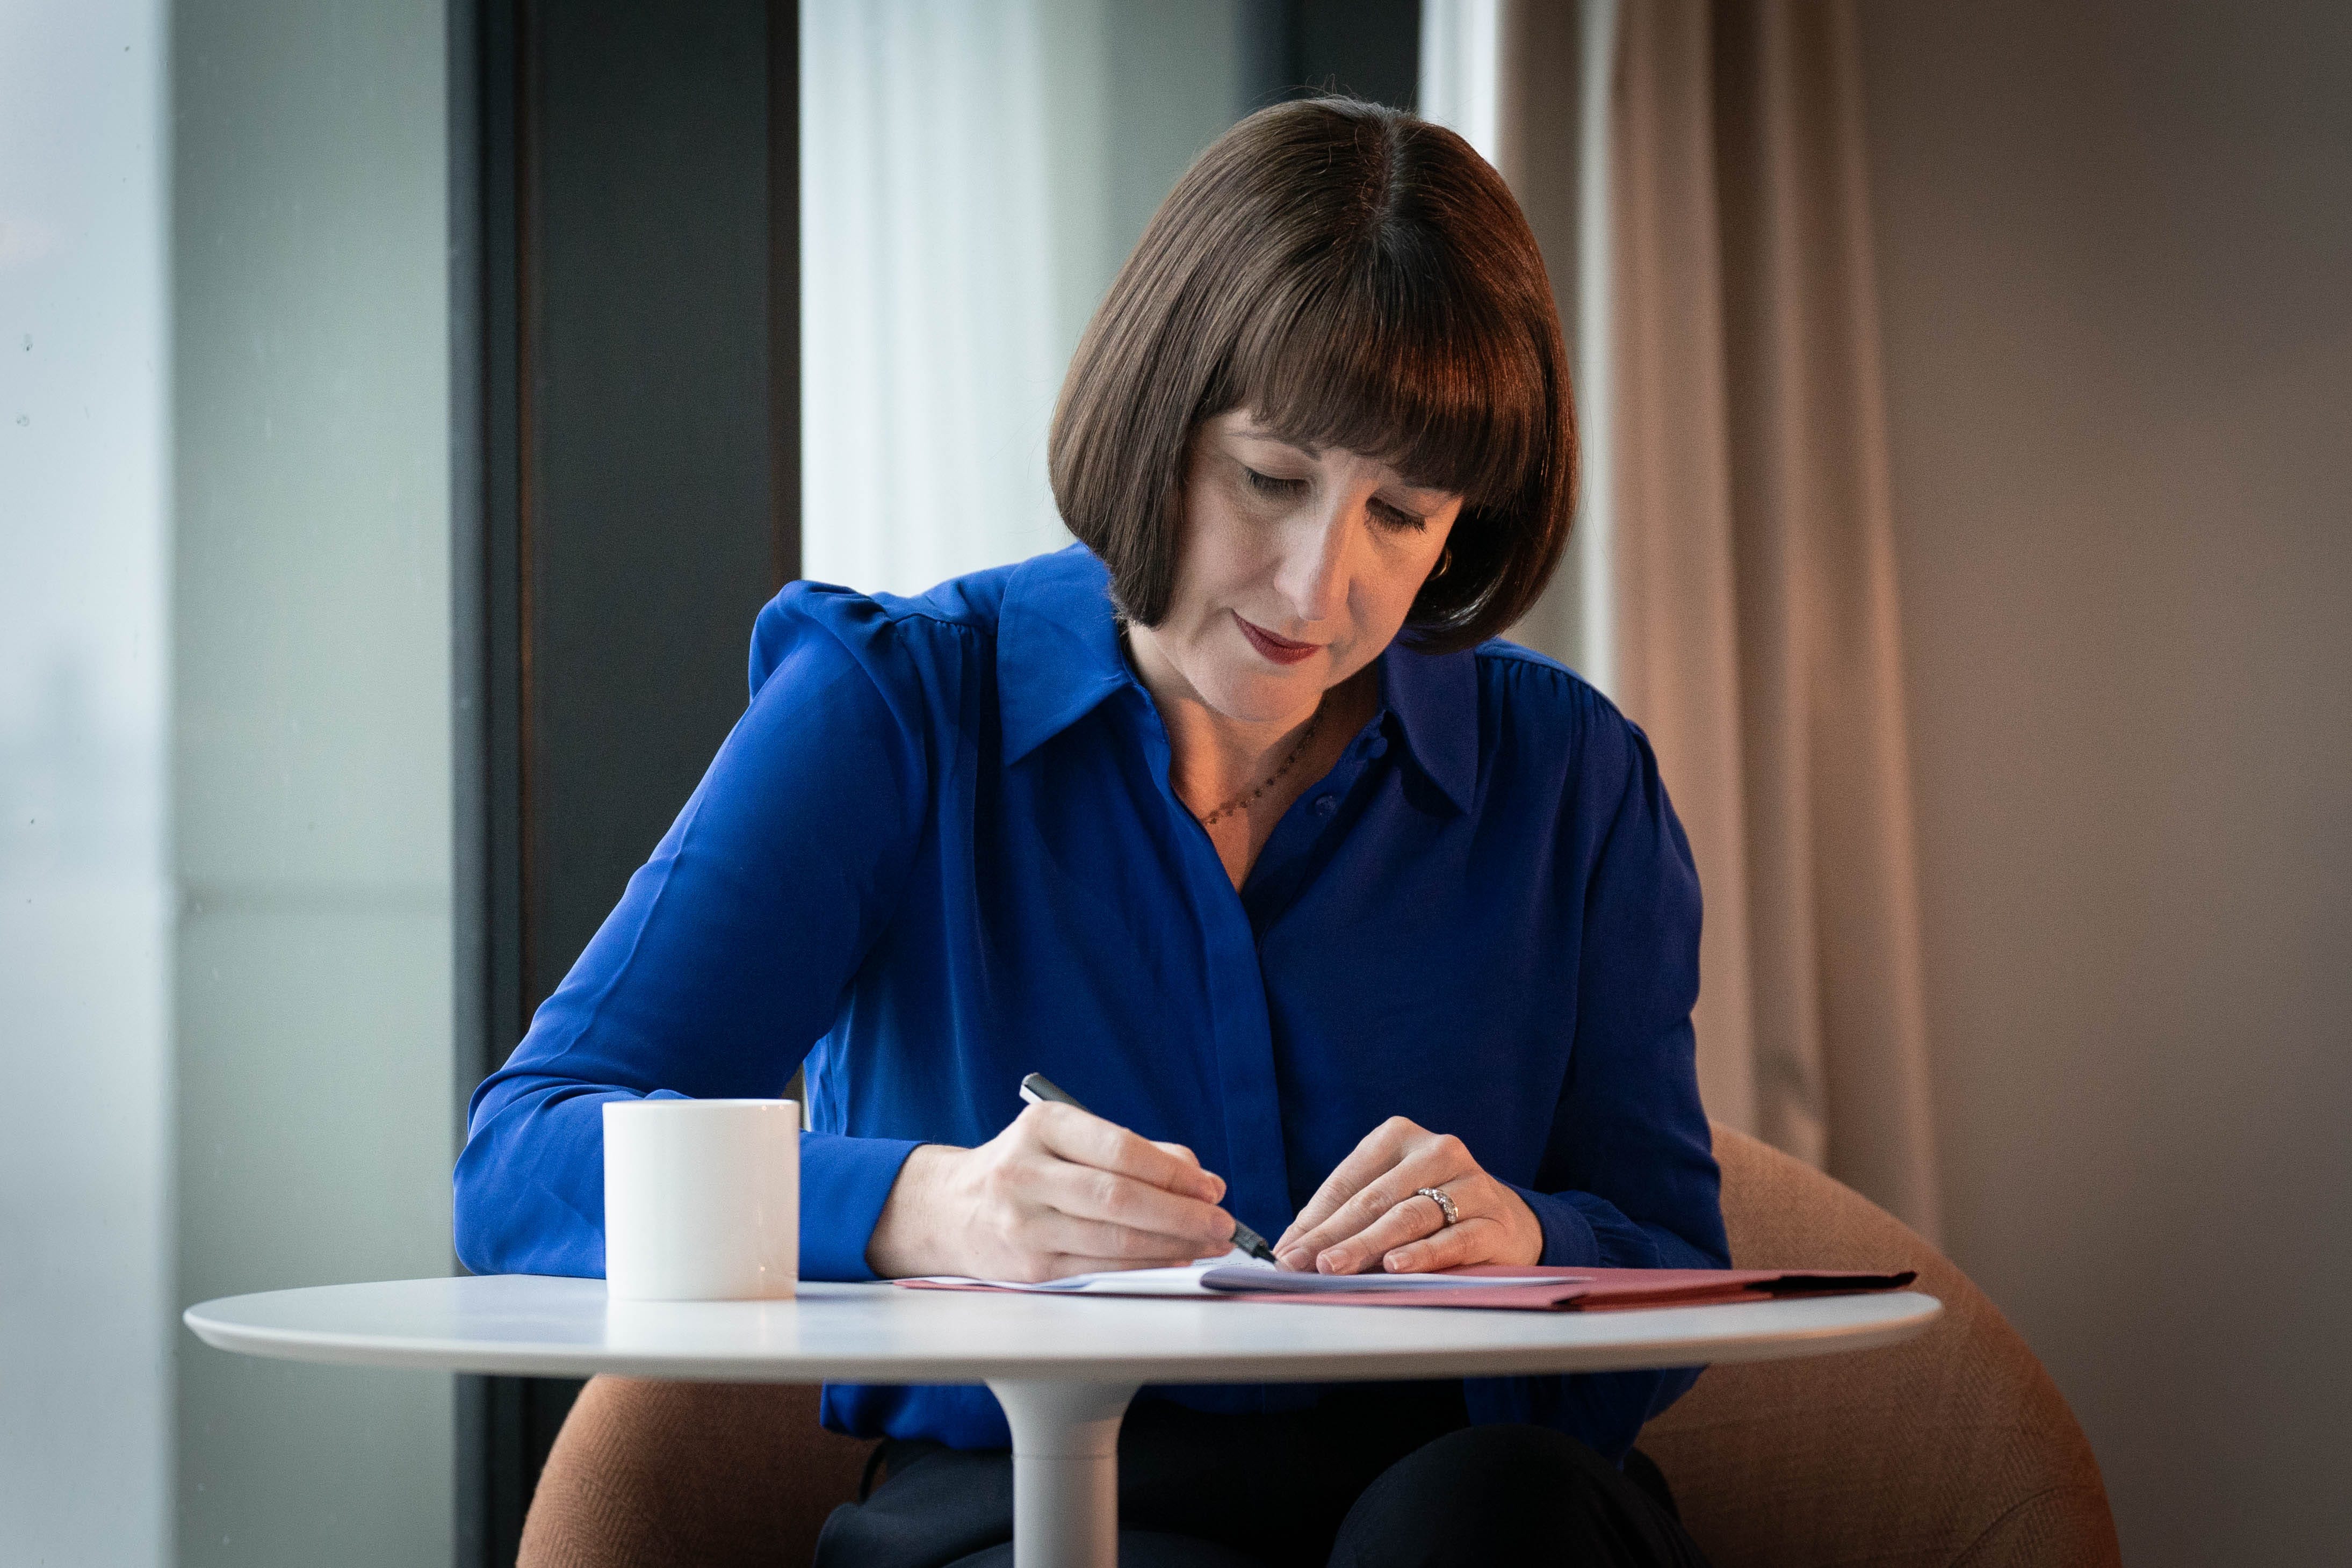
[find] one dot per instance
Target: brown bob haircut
(1358, 278)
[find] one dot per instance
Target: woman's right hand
(1058, 1192)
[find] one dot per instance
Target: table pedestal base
(1064, 1471)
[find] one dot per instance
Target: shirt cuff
(844, 1182)
(1569, 1242)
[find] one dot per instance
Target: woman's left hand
(1368, 1214)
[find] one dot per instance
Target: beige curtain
(1756, 627)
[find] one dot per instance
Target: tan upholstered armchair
(1952, 1451)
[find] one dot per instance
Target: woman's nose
(1313, 576)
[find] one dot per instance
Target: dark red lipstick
(1281, 650)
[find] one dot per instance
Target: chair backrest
(688, 1475)
(1952, 1448)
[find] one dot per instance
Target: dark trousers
(1379, 1477)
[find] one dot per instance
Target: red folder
(1601, 1289)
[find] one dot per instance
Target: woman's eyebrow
(1433, 497)
(1251, 433)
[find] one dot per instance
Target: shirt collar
(1435, 697)
(1058, 656)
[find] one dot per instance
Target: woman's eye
(1399, 520)
(1267, 485)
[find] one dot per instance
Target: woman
(1233, 822)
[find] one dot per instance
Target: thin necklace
(1239, 801)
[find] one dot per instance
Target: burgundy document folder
(1598, 1290)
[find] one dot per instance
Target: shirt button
(1377, 747)
(1326, 804)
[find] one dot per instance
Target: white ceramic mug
(702, 1199)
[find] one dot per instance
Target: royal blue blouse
(940, 850)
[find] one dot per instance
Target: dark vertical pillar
(784, 290)
(1364, 49)
(647, 436)
(633, 424)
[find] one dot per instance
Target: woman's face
(1296, 567)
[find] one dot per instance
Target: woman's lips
(1281, 650)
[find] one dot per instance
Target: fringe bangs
(1372, 358)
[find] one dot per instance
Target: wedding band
(1444, 1204)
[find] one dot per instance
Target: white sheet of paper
(1236, 1273)
(1181, 1282)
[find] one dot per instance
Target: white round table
(1063, 1367)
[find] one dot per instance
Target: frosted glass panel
(85, 1257)
(310, 769)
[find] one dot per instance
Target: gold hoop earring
(1444, 560)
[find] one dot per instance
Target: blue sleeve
(725, 960)
(1629, 1178)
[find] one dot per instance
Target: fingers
(1162, 1222)
(1425, 1160)
(1406, 1221)
(1088, 1140)
(1059, 1192)
(1056, 1234)
(1107, 1192)
(1371, 1156)
(1475, 1240)
(1189, 1159)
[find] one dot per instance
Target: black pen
(1040, 1090)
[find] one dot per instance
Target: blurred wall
(2116, 258)
(311, 754)
(86, 1332)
